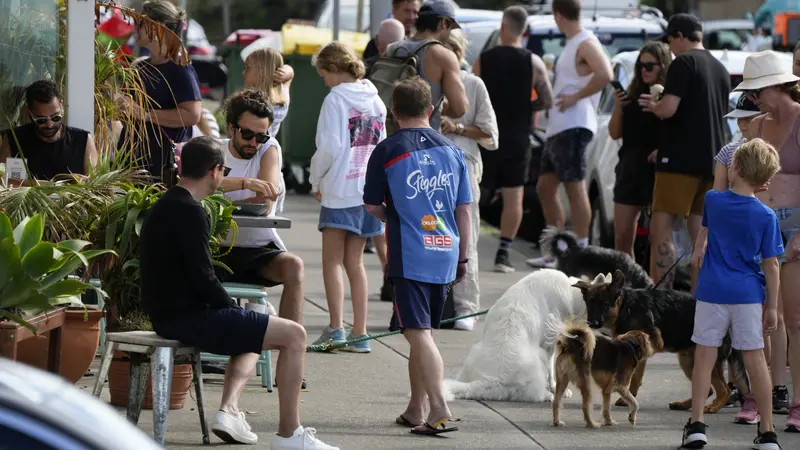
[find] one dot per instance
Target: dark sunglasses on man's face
(55, 118)
(225, 169)
(250, 134)
(648, 66)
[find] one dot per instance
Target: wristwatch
(460, 128)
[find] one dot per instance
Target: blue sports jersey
(421, 176)
(741, 230)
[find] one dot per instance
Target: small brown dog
(582, 357)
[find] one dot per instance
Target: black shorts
(508, 165)
(221, 331)
(248, 265)
(635, 177)
(418, 305)
(565, 154)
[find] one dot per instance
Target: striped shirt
(213, 126)
(725, 155)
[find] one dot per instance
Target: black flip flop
(401, 420)
(428, 430)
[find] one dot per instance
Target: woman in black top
(639, 130)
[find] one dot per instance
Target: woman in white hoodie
(351, 123)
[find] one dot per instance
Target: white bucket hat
(765, 69)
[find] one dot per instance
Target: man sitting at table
(254, 158)
(50, 147)
(186, 302)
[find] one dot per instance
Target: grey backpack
(396, 65)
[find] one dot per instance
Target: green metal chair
(252, 293)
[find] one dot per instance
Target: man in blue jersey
(417, 183)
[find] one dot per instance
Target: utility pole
(336, 20)
(379, 10)
(226, 17)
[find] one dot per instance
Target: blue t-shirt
(421, 176)
(741, 230)
(167, 85)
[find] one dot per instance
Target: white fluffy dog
(514, 359)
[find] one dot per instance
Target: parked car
(730, 34)
(348, 10)
(40, 411)
(616, 35)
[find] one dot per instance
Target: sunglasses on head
(55, 118)
(250, 134)
(648, 66)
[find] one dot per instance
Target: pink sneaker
(793, 423)
(749, 413)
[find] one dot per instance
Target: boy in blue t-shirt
(730, 289)
(417, 183)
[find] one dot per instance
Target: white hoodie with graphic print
(351, 123)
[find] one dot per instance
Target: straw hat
(744, 108)
(765, 69)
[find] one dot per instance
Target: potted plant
(119, 229)
(33, 282)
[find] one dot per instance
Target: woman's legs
(357, 275)
(333, 248)
(790, 293)
(626, 218)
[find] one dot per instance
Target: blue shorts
(222, 331)
(788, 233)
(417, 304)
(356, 220)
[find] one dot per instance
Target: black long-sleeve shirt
(175, 259)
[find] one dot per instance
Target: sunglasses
(648, 66)
(754, 94)
(225, 169)
(55, 118)
(250, 134)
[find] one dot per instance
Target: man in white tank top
(581, 73)
(258, 255)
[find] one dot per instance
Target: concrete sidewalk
(353, 399)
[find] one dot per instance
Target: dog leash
(669, 270)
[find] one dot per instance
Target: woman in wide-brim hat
(770, 83)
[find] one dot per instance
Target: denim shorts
(788, 233)
(356, 220)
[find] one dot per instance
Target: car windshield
(612, 43)
(725, 39)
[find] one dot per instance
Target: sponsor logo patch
(429, 222)
(430, 240)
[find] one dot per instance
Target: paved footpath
(353, 399)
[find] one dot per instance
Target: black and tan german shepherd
(668, 318)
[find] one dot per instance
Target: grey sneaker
(541, 262)
(502, 263)
(328, 334)
(358, 347)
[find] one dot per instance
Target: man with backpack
(424, 55)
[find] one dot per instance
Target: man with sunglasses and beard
(253, 174)
(50, 147)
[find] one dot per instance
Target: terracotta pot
(80, 337)
(119, 378)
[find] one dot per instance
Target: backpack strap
(425, 44)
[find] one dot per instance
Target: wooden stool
(147, 349)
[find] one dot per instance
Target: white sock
(583, 242)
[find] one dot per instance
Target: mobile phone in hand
(618, 87)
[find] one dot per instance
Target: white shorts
(745, 322)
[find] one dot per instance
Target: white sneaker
(302, 439)
(232, 429)
(542, 262)
(465, 324)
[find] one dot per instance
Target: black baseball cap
(682, 23)
(744, 108)
(440, 8)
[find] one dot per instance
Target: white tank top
(567, 81)
(248, 168)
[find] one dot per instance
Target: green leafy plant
(33, 272)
